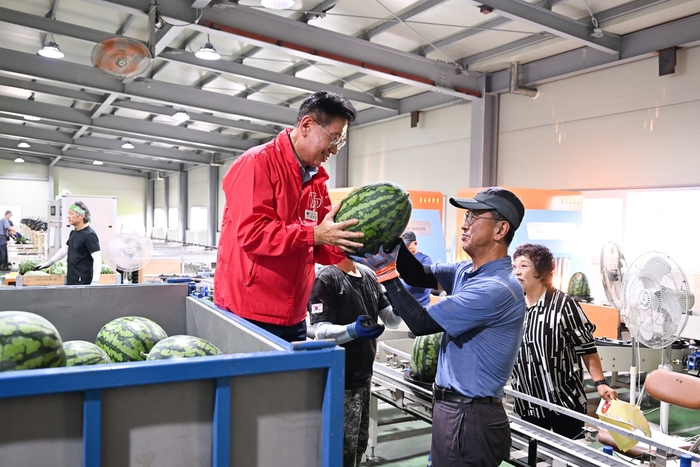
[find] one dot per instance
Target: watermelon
(129, 339)
(29, 341)
(182, 347)
(383, 211)
(578, 285)
(424, 357)
(84, 353)
(59, 268)
(27, 265)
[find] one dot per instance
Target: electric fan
(127, 252)
(121, 57)
(657, 306)
(612, 268)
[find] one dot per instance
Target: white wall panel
(198, 186)
(434, 156)
(130, 193)
(159, 194)
(620, 127)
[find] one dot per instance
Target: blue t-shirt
(421, 294)
(4, 225)
(483, 317)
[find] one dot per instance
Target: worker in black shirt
(82, 248)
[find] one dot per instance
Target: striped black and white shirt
(548, 365)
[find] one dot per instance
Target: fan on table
(657, 305)
(121, 57)
(127, 252)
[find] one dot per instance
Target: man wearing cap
(482, 319)
(421, 293)
(82, 248)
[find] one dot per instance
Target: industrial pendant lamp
(127, 145)
(277, 4)
(208, 52)
(23, 144)
(19, 160)
(181, 116)
(51, 50)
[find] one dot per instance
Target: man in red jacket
(278, 220)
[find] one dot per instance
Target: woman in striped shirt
(557, 336)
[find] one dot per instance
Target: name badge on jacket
(310, 215)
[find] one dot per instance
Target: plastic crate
(265, 403)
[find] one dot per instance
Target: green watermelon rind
(382, 209)
(29, 341)
(182, 346)
(424, 357)
(130, 338)
(578, 285)
(79, 353)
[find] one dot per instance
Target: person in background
(278, 220)
(482, 319)
(82, 248)
(557, 337)
(422, 294)
(346, 304)
(6, 230)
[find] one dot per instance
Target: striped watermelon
(29, 341)
(182, 347)
(84, 353)
(130, 338)
(424, 357)
(578, 285)
(383, 211)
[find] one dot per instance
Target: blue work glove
(383, 263)
(365, 327)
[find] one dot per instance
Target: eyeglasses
(470, 217)
(338, 142)
(522, 266)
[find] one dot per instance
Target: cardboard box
(53, 280)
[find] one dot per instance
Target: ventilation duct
(515, 88)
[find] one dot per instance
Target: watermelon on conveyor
(382, 210)
(84, 353)
(424, 357)
(182, 347)
(129, 339)
(29, 341)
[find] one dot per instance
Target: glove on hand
(365, 327)
(383, 263)
(43, 265)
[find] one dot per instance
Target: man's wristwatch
(601, 382)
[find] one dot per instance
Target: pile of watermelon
(578, 285)
(29, 341)
(383, 211)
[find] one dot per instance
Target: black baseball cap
(408, 237)
(500, 199)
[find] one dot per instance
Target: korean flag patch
(316, 308)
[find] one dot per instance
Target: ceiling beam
(102, 168)
(273, 77)
(319, 11)
(553, 23)
(634, 46)
(275, 32)
(385, 26)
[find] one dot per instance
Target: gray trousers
(469, 435)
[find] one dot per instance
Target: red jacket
(266, 253)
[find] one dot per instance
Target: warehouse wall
(434, 156)
(130, 193)
(197, 204)
(620, 127)
(25, 185)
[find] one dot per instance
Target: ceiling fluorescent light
(277, 4)
(23, 144)
(181, 116)
(51, 50)
(127, 145)
(97, 162)
(208, 52)
(31, 118)
(19, 160)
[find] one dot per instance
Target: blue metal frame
(92, 380)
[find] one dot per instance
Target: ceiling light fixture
(19, 160)
(31, 118)
(97, 162)
(127, 145)
(23, 144)
(181, 116)
(51, 50)
(277, 4)
(208, 52)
